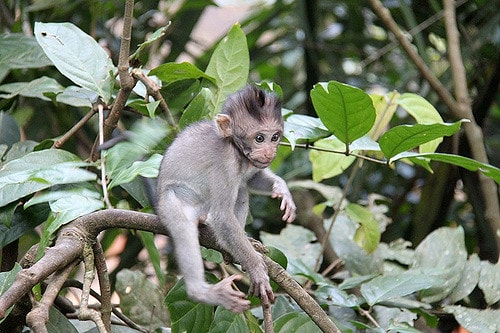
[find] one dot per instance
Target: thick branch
(72, 237)
(473, 131)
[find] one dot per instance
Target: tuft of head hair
(257, 103)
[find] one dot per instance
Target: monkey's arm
(266, 182)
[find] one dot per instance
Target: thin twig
(62, 140)
(385, 15)
(104, 284)
(309, 146)
(153, 89)
(268, 318)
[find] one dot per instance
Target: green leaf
(229, 65)
(20, 51)
(171, 72)
(9, 130)
(424, 113)
(388, 287)
(36, 88)
(326, 164)
(461, 161)
(6, 280)
(140, 299)
(40, 170)
(346, 111)
(67, 205)
(199, 108)
(227, 321)
(468, 281)
(406, 137)
(154, 255)
(159, 33)
(148, 168)
(297, 243)
(489, 282)
(295, 322)
(77, 56)
(368, 234)
(474, 320)
(356, 259)
(300, 127)
(332, 295)
(59, 322)
(185, 314)
(16, 221)
(441, 254)
(271, 87)
(385, 109)
(123, 159)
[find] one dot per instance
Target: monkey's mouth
(260, 164)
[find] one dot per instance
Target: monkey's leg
(182, 223)
(233, 239)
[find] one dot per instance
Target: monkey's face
(263, 146)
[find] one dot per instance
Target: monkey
(205, 177)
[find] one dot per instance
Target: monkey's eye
(275, 137)
(259, 138)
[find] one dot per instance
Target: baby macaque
(205, 177)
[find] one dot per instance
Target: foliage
(387, 282)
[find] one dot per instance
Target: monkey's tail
(150, 189)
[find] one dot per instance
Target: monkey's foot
(258, 246)
(224, 294)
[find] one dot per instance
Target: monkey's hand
(281, 191)
(224, 294)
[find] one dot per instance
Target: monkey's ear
(223, 122)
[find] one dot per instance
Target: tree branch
(84, 230)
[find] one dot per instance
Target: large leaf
(295, 322)
(9, 130)
(199, 108)
(424, 113)
(326, 164)
(6, 280)
(346, 111)
(36, 88)
(356, 259)
(385, 109)
(40, 170)
(388, 287)
(476, 321)
(77, 56)
(441, 254)
(227, 321)
(20, 51)
(15, 221)
(300, 127)
(67, 205)
(229, 65)
(368, 233)
(461, 161)
(489, 282)
(469, 279)
(186, 315)
(171, 72)
(140, 299)
(406, 137)
(298, 244)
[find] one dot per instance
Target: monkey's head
(251, 119)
